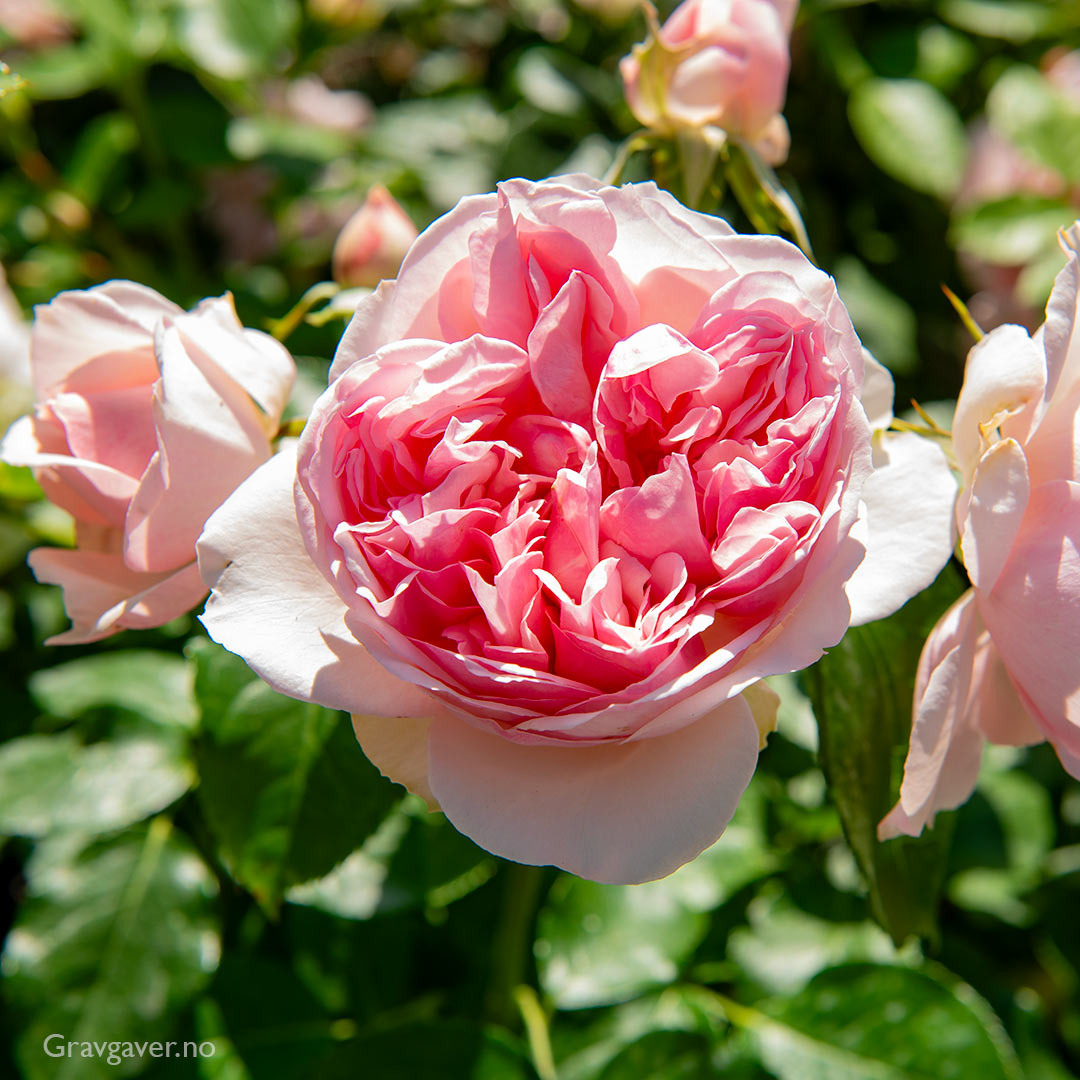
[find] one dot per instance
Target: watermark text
(114, 1052)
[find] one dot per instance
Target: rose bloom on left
(146, 418)
(586, 472)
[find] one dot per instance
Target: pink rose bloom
(1004, 662)
(373, 242)
(590, 468)
(147, 417)
(722, 63)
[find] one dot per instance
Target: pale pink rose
(373, 242)
(590, 468)
(147, 417)
(1003, 664)
(722, 63)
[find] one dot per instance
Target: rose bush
(1003, 664)
(589, 469)
(147, 417)
(722, 63)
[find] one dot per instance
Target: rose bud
(147, 417)
(373, 242)
(719, 63)
(590, 468)
(1003, 664)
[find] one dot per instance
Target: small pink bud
(373, 242)
(716, 63)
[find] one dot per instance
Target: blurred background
(184, 855)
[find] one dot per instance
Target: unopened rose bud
(720, 63)
(373, 242)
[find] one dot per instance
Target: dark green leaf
(413, 859)
(112, 937)
(911, 131)
(283, 784)
(102, 144)
(862, 692)
(449, 1049)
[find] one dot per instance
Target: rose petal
(1033, 612)
(909, 501)
(117, 317)
(946, 748)
(271, 606)
(622, 813)
(995, 508)
(1005, 372)
(398, 747)
(102, 595)
(210, 438)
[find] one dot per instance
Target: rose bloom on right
(716, 63)
(586, 472)
(1003, 663)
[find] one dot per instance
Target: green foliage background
(185, 855)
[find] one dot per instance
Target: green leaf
(873, 1022)
(911, 131)
(1012, 20)
(284, 785)
(862, 692)
(583, 1052)
(114, 936)
(784, 947)
(414, 859)
(598, 944)
(663, 1055)
(1014, 230)
(53, 782)
(237, 39)
(1038, 119)
(64, 71)
(154, 685)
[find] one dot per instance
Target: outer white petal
(271, 605)
(909, 501)
(624, 813)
